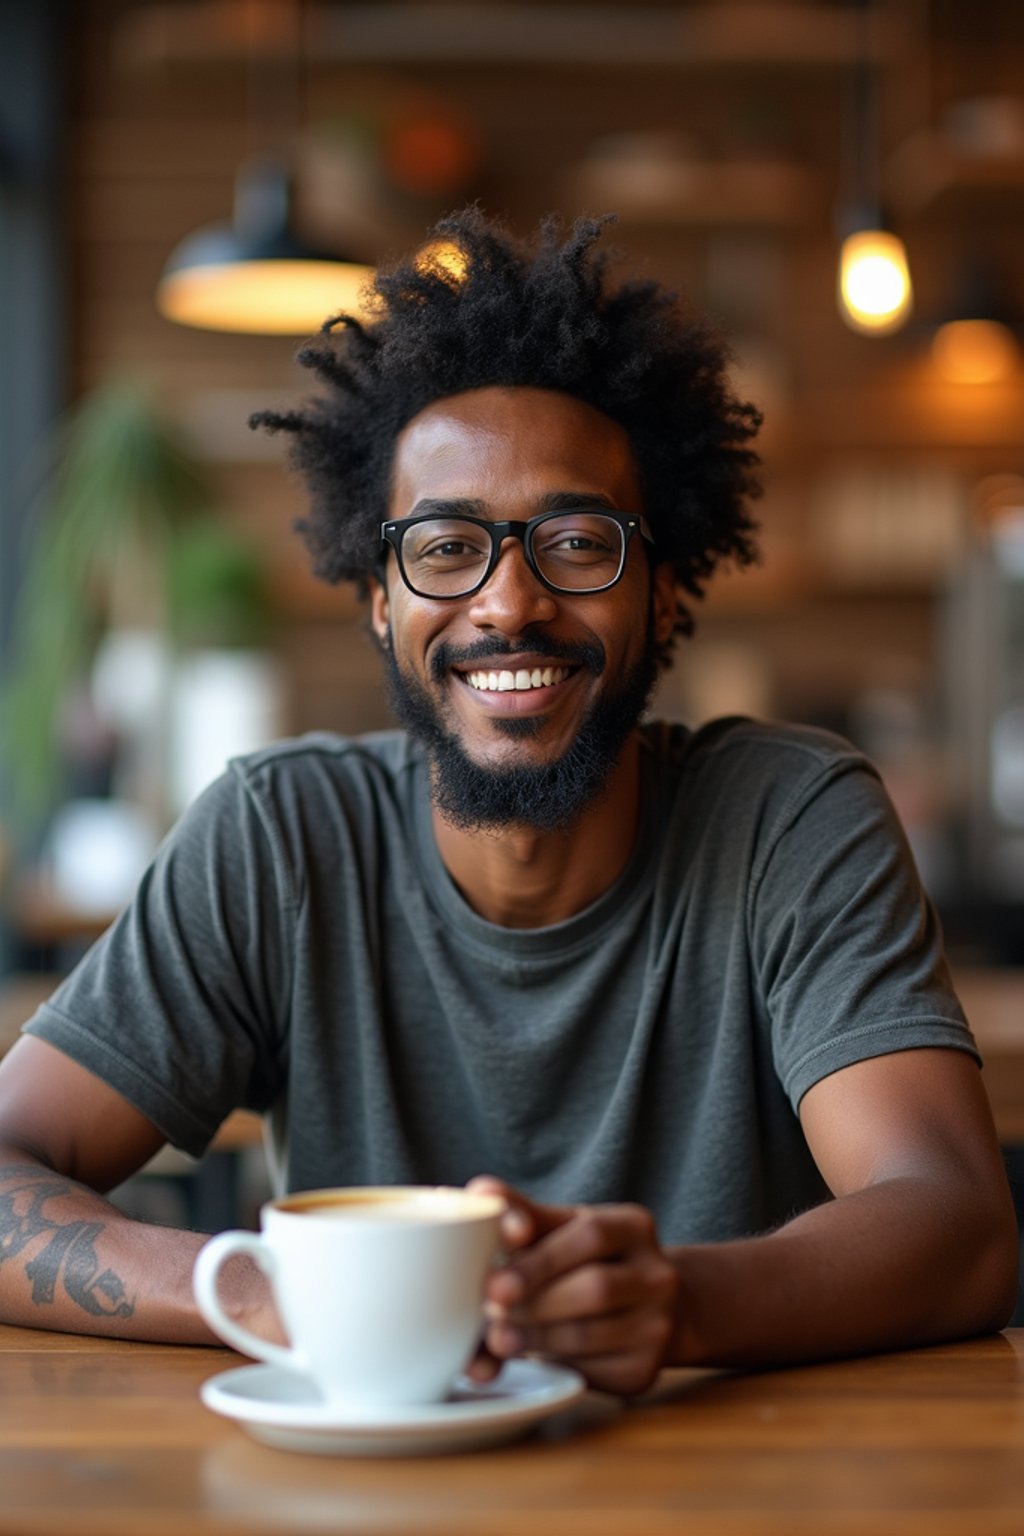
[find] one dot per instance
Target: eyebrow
(470, 506)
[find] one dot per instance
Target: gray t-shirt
(298, 947)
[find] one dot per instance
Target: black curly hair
(541, 316)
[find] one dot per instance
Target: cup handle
(207, 1268)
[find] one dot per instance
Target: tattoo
(70, 1249)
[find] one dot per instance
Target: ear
(380, 609)
(664, 602)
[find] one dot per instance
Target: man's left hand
(587, 1285)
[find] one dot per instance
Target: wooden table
(109, 1439)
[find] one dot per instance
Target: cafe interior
(839, 183)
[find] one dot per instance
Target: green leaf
(118, 488)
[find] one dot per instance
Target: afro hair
(542, 316)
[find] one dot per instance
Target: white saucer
(284, 1409)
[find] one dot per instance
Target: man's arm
(919, 1245)
(69, 1260)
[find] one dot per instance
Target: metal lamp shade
(253, 275)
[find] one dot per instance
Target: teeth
(516, 682)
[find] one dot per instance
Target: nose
(511, 599)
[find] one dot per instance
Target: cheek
(410, 628)
(627, 629)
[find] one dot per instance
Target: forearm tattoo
(67, 1256)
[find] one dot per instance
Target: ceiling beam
(727, 33)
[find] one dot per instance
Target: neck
(521, 878)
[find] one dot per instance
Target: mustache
(589, 654)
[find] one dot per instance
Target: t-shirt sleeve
(182, 1005)
(847, 946)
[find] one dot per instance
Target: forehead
(509, 447)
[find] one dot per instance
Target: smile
(517, 682)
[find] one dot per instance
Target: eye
(579, 537)
(446, 543)
(446, 549)
(577, 541)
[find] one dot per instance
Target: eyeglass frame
(392, 533)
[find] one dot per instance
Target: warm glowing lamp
(875, 294)
(253, 275)
(874, 291)
(977, 342)
(975, 351)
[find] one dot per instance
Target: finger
(484, 1366)
(594, 1290)
(634, 1333)
(517, 1224)
(625, 1375)
(593, 1234)
(525, 1220)
(590, 1291)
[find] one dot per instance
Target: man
(680, 993)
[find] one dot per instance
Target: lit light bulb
(974, 351)
(874, 282)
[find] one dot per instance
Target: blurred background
(155, 609)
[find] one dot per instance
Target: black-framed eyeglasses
(579, 549)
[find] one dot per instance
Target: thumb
(524, 1220)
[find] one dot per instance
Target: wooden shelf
(774, 193)
(927, 174)
(724, 34)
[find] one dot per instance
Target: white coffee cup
(379, 1289)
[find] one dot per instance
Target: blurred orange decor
(431, 150)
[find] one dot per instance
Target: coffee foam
(419, 1204)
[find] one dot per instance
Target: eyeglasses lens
(574, 551)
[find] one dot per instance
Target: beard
(548, 797)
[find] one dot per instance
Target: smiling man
(525, 702)
(678, 993)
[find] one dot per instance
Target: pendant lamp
(875, 294)
(254, 275)
(975, 351)
(873, 281)
(977, 342)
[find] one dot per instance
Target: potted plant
(129, 572)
